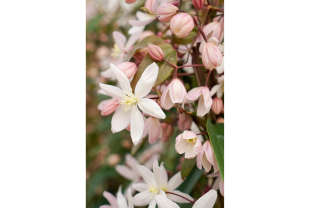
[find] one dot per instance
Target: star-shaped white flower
(128, 112)
(119, 201)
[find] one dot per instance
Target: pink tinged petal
(179, 199)
(149, 164)
(131, 161)
(201, 110)
(209, 153)
(216, 167)
(198, 146)
(179, 137)
(131, 41)
(152, 204)
(107, 73)
(189, 135)
(130, 199)
(142, 198)
(205, 163)
(222, 187)
(150, 107)
(190, 153)
(155, 130)
(104, 103)
(207, 200)
(220, 69)
(175, 181)
(216, 184)
(120, 120)
(195, 93)
(177, 91)
(106, 206)
(120, 40)
(111, 199)
(215, 88)
(199, 159)
(122, 79)
(165, 100)
(181, 146)
(121, 201)
(113, 91)
(146, 127)
(138, 23)
(140, 187)
(207, 98)
(163, 202)
(110, 107)
(136, 125)
(146, 174)
(125, 172)
(146, 81)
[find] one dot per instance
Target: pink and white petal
(146, 174)
(146, 128)
(139, 23)
(206, 164)
(136, 125)
(111, 199)
(120, 40)
(146, 80)
(122, 79)
(125, 172)
(135, 29)
(142, 198)
(207, 200)
(175, 181)
(154, 130)
(165, 99)
(152, 204)
(181, 146)
(189, 135)
(179, 199)
(113, 91)
(130, 199)
(209, 153)
(107, 74)
(150, 107)
(163, 175)
(216, 184)
(177, 91)
(149, 164)
(121, 201)
(140, 187)
(190, 153)
(198, 146)
(214, 89)
(199, 159)
(163, 202)
(131, 161)
(104, 103)
(195, 93)
(215, 167)
(219, 93)
(201, 110)
(221, 187)
(179, 137)
(120, 120)
(220, 69)
(106, 206)
(131, 41)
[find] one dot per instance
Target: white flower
(206, 201)
(119, 201)
(143, 20)
(219, 88)
(128, 112)
(157, 181)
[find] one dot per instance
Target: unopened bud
(130, 1)
(211, 56)
(222, 110)
(215, 28)
(185, 121)
(155, 52)
(110, 107)
(198, 4)
(129, 69)
(149, 5)
(166, 12)
(181, 25)
(217, 105)
(220, 120)
(167, 131)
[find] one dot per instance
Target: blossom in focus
(155, 182)
(155, 52)
(211, 54)
(181, 25)
(185, 121)
(219, 88)
(166, 12)
(188, 143)
(206, 158)
(128, 112)
(152, 128)
(206, 201)
(119, 201)
(204, 102)
(175, 92)
(198, 4)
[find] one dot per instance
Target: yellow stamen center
(193, 140)
(128, 102)
(116, 51)
(153, 190)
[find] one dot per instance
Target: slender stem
(185, 74)
(180, 196)
(200, 30)
(208, 77)
(190, 65)
(170, 64)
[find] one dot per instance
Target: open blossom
(206, 201)
(206, 158)
(155, 182)
(219, 88)
(181, 25)
(152, 128)
(166, 12)
(119, 201)
(205, 100)
(188, 143)
(175, 92)
(128, 112)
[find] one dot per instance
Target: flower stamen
(128, 102)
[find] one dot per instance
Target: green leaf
(164, 70)
(187, 40)
(190, 181)
(142, 44)
(187, 166)
(216, 134)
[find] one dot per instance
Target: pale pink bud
(220, 120)
(185, 121)
(155, 52)
(166, 12)
(167, 131)
(110, 107)
(188, 143)
(181, 25)
(129, 69)
(149, 5)
(175, 92)
(216, 27)
(130, 1)
(145, 34)
(211, 56)
(217, 105)
(198, 4)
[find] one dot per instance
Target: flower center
(153, 190)
(193, 140)
(116, 51)
(128, 102)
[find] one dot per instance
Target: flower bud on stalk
(129, 69)
(167, 131)
(185, 121)
(211, 56)
(198, 4)
(130, 1)
(217, 105)
(216, 27)
(155, 52)
(110, 107)
(149, 5)
(166, 12)
(175, 92)
(181, 25)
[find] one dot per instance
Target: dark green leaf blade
(187, 166)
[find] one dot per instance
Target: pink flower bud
(149, 5)
(129, 69)
(222, 110)
(220, 120)
(217, 105)
(211, 56)
(181, 25)
(155, 52)
(185, 121)
(166, 12)
(130, 1)
(198, 4)
(167, 131)
(175, 92)
(216, 27)
(110, 107)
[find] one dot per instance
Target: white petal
(125, 172)
(122, 79)
(175, 181)
(131, 161)
(142, 198)
(103, 103)
(136, 125)
(144, 16)
(113, 91)
(179, 199)
(133, 38)
(163, 202)
(215, 88)
(207, 200)
(141, 22)
(140, 187)
(130, 200)
(220, 69)
(150, 107)
(152, 204)
(107, 73)
(120, 120)
(148, 164)
(120, 39)
(146, 174)
(160, 174)
(201, 110)
(136, 29)
(121, 201)
(111, 199)
(205, 163)
(181, 146)
(146, 80)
